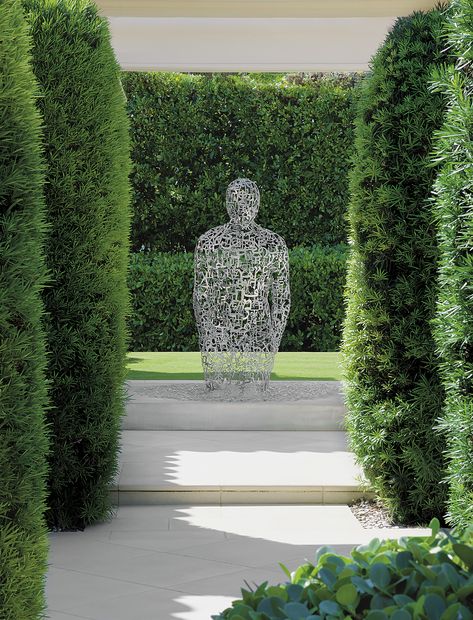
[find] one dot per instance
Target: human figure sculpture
(241, 293)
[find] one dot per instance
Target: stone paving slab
(188, 562)
(187, 405)
(222, 467)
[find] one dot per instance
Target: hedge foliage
(454, 211)
(23, 389)
(87, 151)
(193, 134)
(394, 394)
(422, 578)
(161, 291)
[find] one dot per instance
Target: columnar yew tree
(394, 394)
(87, 152)
(454, 210)
(23, 393)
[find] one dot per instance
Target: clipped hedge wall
(87, 152)
(421, 577)
(454, 212)
(394, 394)
(193, 134)
(161, 291)
(23, 390)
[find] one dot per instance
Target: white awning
(251, 35)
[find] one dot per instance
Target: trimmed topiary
(394, 394)
(454, 211)
(23, 391)
(164, 320)
(87, 151)
(421, 577)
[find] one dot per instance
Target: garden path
(199, 512)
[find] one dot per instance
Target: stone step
(237, 467)
(185, 405)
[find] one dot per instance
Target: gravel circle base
(279, 391)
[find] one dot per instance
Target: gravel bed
(371, 513)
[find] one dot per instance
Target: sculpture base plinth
(188, 405)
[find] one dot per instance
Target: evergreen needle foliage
(454, 211)
(23, 392)
(394, 394)
(87, 150)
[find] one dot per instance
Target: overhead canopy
(251, 35)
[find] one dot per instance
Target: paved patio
(199, 512)
(187, 562)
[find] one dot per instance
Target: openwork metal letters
(241, 293)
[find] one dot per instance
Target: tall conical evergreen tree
(454, 211)
(87, 153)
(23, 389)
(394, 394)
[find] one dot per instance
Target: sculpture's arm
(280, 296)
(198, 292)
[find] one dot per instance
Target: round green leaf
(296, 611)
(347, 595)
(401, 614)
(295, 592)
(380, 575)
(465, 553)
(328, 577)
(434, 606)
(329, 608)
(403, 560)
(272, 606)
(376, 615)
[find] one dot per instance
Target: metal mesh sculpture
(241, 293)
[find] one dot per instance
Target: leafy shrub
(422, 578)
(192, 135)
(394, 393)
(23, 392)
(454, 211)
(163, 319)
(87, 151)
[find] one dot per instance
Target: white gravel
(372, 514)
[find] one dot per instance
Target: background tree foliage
(161, 293)
(193, 134)
(394, 394)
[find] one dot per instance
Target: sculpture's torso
(239, 268)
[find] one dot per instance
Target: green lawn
(288, 366)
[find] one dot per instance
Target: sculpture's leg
(210, 385)
(267, 362)
(212, 365)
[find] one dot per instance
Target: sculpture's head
(242, 202)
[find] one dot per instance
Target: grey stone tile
(66, 589)
(230, 584)
(77, 551)
(155, 569)
(173, 541)
(156, 604)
